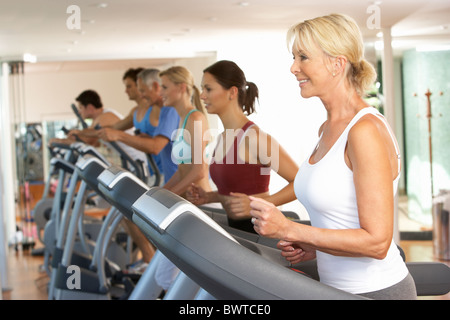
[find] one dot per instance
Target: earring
(334, 74)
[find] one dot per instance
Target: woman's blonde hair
(336, 34)
(179, 74)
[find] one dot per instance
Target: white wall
(281, 112)
(49, 95)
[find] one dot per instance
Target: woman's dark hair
(90, 96)
(228, 74)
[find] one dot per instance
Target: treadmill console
(159, 208)
(86, 160)
(111, 176)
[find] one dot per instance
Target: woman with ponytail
(349, 181)
(192, 137)
(244, 155)
(189, 146)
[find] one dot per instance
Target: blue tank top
(144, 126)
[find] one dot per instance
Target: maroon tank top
(233, 175)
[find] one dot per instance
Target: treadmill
(121, 189)
(179, 230)
(93, 281)
(214, 259)
(95, 268)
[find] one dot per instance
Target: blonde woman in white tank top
(349, 181)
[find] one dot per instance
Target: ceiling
(150, 29)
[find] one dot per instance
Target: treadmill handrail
(155, 169)
(80, 118)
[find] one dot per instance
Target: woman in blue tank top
(191, 140)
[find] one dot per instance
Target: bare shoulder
(368, 127)
(196, 117)
(370, 139)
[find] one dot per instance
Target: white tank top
(327, 191)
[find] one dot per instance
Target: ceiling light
(244, 4)
(28, 57)
(102, 5)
